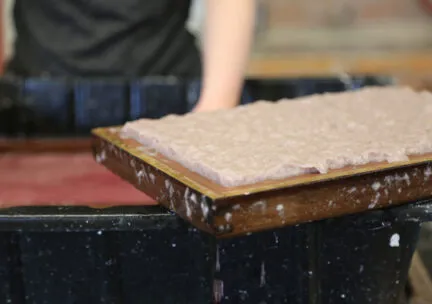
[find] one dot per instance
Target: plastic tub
(145, 255)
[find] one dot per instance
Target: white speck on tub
(100, 157)
(352, 190)
(376, 186)
(427, 173)
(187, 205)
(193, 198)
(218, 290)
(276, 238)
(260, 205)
(404, 177)
(132, 163)
(170, 188)
(243, 294)
(388, 180)
(188, 209)
(204, 207)
(281, 212)
(236, 207)
(263, 275)
(152, 178)
(140, 174)
(217, 265)
(375, 201)
(395, 240)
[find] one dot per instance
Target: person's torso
(103, 38)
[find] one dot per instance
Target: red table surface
(62, 179)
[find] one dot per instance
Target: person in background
(135, 38)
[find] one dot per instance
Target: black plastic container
(147, 255)
(10, 103)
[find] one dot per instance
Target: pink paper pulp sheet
(313, 134)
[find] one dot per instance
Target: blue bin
(156, 97)
(99, 103)
(47, 106)
(193, 92)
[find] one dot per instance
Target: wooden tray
(267, 205)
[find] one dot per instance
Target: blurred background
(325, 38)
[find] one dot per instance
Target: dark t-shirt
(103, 38)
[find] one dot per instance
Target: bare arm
(227, 42)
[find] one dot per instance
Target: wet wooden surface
(59, 172)
(62, 179)
(267, 205)
(68, 145)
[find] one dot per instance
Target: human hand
(207, 105)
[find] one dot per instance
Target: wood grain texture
(313, 64)
(267, 205)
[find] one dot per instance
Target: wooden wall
(339, 24)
